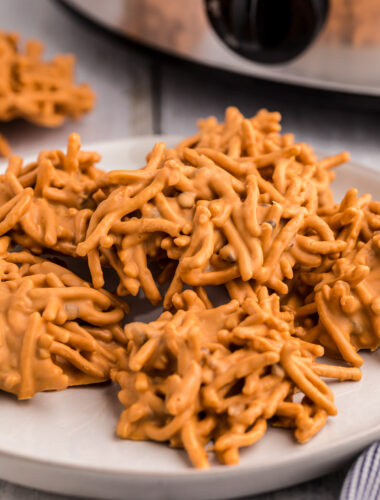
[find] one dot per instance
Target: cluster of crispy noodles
(41, 92)
(47, 203)
(219, 375)
(341, 305)
(56, 330)
(239, 205)
(244, 209)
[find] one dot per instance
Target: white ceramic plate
(65, 442)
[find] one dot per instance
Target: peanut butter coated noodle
(5, 149)
(237, 205)
(41, 92)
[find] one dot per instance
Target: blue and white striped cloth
(363, 479)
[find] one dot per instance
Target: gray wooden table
(140, 92)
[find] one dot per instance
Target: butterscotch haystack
(221, 375)
(56, 331)
(339, 305)
(343, 310)
(234, 205)
(41, 92)
(47, 203)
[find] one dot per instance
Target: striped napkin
(363, 478)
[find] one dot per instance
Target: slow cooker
(327, 44)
